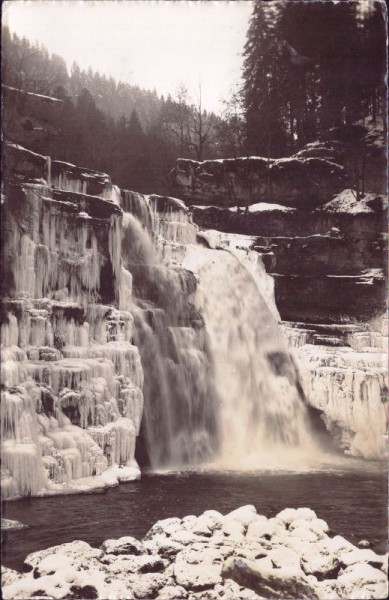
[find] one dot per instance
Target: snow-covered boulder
(361, 580)
(164, 527)
(124, 545)
(238, 560)
(245, 515)
(198, 570)
(286, 582)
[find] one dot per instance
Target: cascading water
(100, 310)
(179, 418)
(262, 415)
(230, 390)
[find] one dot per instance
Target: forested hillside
(133, 134)
(297, 87)
(310, 67)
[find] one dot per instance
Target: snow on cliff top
(346, 202)
(258, 207)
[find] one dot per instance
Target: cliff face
(352, 156)
(88, 303)
(111, 316)
(326, 254)
(296, 181)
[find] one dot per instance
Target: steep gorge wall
(326, 252)
(99, 319)
(76, 299)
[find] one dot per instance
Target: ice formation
(72, 377)
(116, 324)
(96, 300)
(344, 374)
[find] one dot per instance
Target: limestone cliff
(296, 181)
(326, 252)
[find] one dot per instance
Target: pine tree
(263, 79)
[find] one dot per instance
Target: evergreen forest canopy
(308, 67)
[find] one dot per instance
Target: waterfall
(263, 420)
(227, 392)
(179, 419)
(120, 333)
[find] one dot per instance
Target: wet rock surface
(287, 556)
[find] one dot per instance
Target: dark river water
(352, 499)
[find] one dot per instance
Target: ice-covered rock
(347, 382)
(10, 524)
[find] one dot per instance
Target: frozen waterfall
(120, 335)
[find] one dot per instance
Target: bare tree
(200, 129)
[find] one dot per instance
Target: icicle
(48, 170)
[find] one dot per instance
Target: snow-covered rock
(245, 515)
(172, 592)
(124, 545)
(198, 570)
(288, 581)
(233, 567)
(362, 579)
(363, 556)
(164, 546)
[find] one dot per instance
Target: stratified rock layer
(328, 268)
(301, 182)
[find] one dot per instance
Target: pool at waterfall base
(350, 496)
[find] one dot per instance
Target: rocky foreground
(241, 555)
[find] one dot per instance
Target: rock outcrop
(298, 181)
(328, 263)
(30, 119)
(350, 156)
(238, 556)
